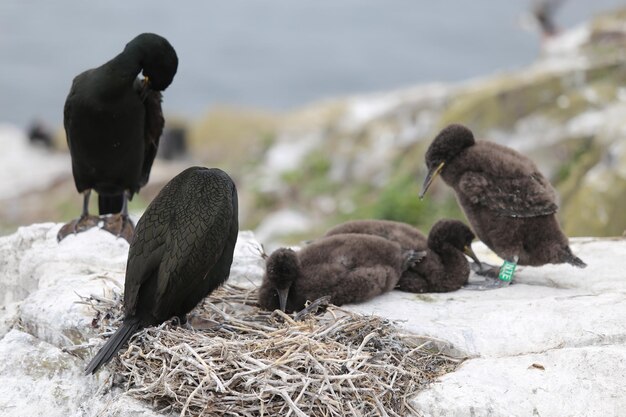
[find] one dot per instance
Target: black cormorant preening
(444, 268)
(182, 250)
(509, 203)
(349, 268)
(113, 121)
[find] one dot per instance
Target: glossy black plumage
(113, 121)
(509, 203)
(349, 268)
(182, 250)
(444, 268)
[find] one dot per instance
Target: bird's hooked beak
(145, 86)
(282, 297)
(469, 252)
(432, 174)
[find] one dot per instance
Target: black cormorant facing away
(509, 203)
(113, 122)
(182, 250)
(349, 268)
(444, 268)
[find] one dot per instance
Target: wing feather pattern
(521, 196)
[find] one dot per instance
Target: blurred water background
(274, 54)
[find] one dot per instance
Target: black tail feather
(110, 204)
(115, 343)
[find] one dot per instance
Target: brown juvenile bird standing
(509, 203)
(182, 251)
(443, 269)
(113, 122)
(349, 268)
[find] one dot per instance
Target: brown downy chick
(509, 203)
(403, 234)
(444, 268)
(349, 268)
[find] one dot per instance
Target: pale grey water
(275, 54)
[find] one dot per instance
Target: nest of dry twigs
(244, 361)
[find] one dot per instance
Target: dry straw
(239, 360)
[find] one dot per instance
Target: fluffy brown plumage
(407, 236)
(444, 268)
(349, 268)
(509, 203)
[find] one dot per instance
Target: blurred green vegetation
(311, 178)
(232, 138)
(398, 200)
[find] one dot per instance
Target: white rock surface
(574, 382)
(248, 264)
(39, 379)
(47, 277)
(552, 344)
(568, 320)
(549, 307)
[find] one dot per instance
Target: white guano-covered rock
(571, 382)
(548, 307)
(567, 320)
(552, 344)
(41, 380)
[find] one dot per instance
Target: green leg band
(506, 271)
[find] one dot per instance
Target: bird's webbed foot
(413, 283)
(120, 225)
(412, 257)
(78, 225)
(485, 270)
(495, 277)
(314, 307)
(181, 321)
